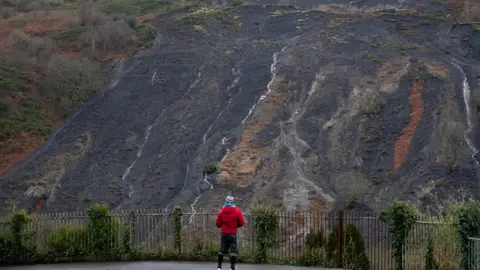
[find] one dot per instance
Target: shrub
(145, 34)
(177, 219)
(430, 263)
(354, 256)
(315, 257)
(237, 3)
(104, 231)
(28, 118)
(68, 241)
(210, 168)
(399, 217)
(112, 35)
(468, 225)
(68, 36)
(17, 246)
(38, 50)
(6, 250)
(11, 79)
(315, 239)
(371, 107)
(354, 253)
(69, 82)
(266, 224)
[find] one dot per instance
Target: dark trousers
(228, 242)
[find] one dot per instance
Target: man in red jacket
(229, 219)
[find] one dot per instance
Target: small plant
(210, 168)
(372, 58)
(371, 107)
(68, 241)
(237, 3)
(199, 28)
(145, 34)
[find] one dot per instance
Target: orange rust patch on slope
(402, 145)
(38, 206)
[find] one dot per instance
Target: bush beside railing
(349, 240)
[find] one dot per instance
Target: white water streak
(187, 172)
(224, 140)
(197, 80)
(273, 71)
(193, 209)
(237, 74)
(466, 98)
(205, 179)
(153, 77)
(138, 155)
(230, 87)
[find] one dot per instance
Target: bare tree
(88, 16)
(351, 188)
(112, 36)
(451, 142)
(38, 50)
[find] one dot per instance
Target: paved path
(151, 266)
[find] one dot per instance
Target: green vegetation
(68, 36)
(325, 250)
(12, 79)
(69, 82)
(145, 34)
(28, 118)
(371, 107)
(399, 217)
(105, 237)
(210, 168)
(266, 224)
(135, 7)
(389, 45)
(430, 263)
(372, 58)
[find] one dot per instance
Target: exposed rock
(302, 99)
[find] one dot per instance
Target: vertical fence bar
(340, 239)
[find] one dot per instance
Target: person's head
(229, 201)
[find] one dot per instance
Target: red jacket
(230, 218)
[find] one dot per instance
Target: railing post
(340, 239)
(133, 219)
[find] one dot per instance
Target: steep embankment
(302, 108)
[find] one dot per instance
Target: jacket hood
(229, 209)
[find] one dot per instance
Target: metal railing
(303, 238)
(474, 253)
(152, 231)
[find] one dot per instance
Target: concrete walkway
(151, 266)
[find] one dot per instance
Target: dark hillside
(304, 108)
